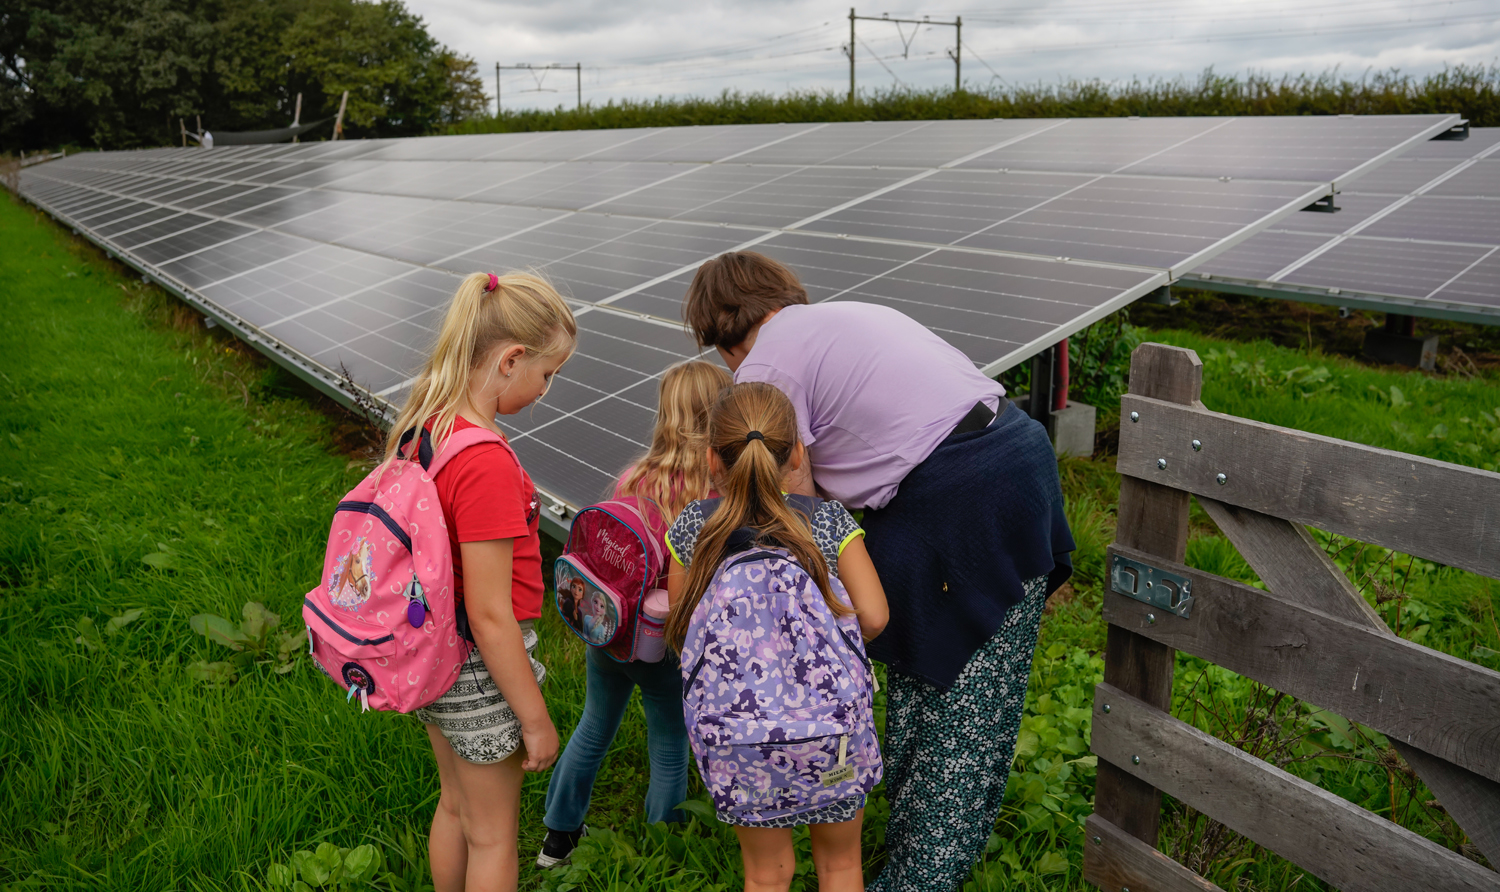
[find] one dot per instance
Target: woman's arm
(487, 575)
(857, 573)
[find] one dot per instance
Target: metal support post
(578, 70)
(851, 55)
(338, 122)
(1060, 376)
(958, 57)
(1043, 393)
(497, 89)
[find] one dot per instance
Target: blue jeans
(609, 687)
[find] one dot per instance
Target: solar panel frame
(1406, 228)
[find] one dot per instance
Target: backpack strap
(457, 442)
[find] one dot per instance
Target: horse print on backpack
(779, 699)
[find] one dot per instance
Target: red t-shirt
(486, 494)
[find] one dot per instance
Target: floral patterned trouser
(948, 756)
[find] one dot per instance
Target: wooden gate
(1311, 636)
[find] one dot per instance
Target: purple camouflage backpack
(778, 695)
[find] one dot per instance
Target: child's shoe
(558, 846)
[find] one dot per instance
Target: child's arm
(857, 573)
(676, 579)
(487, 579)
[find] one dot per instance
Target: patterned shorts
(474, 717)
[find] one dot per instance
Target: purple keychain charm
(416, 608)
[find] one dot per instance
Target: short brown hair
(733, 292)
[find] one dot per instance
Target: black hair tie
(755, 435)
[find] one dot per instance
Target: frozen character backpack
(382, 623)
(613, 559)
(779, 694)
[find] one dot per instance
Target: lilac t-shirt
(875, 392)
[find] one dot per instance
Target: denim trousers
(609, 687)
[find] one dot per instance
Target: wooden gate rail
(1312, 636)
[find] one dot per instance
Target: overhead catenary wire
(881, 61)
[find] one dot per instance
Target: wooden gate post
(1153, 519)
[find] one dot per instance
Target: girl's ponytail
(753, 429)
(486, 310)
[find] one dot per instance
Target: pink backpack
(382, 622)
(615, 554)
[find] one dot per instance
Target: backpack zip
(379, 514)
(362, 642)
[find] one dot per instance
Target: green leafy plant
(326, 867)
(254, 640)
(89, 635)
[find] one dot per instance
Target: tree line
(119, 74)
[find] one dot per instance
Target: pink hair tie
(494, 283)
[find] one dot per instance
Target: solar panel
(1003, 236)
(1418, 236)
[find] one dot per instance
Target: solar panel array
(1003, 236)
(1419, 236)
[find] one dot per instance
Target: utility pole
(577, 75)
(956, 54)
(851, 55)
(297, 118)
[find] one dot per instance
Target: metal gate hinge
(1151, 585)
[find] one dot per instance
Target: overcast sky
(648, 48)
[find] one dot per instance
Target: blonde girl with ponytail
(672, 473)
(502, 340)
(753, 450)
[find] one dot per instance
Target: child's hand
(541, 745)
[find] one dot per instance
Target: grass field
(160, 471)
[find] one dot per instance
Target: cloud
(649, 48)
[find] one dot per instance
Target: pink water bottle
(650, 645)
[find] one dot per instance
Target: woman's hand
(541, 745)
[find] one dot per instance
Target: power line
(882, 64)
(1260, 35)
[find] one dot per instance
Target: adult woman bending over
(964, 522)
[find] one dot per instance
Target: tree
(119, 73)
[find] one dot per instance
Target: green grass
(130, 435)
(134, 434)
(1473, 91)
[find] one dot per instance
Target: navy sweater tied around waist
(967, 528)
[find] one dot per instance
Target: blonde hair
(674, 471)
(751, 495)
(521, 309)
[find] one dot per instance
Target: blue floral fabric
(949, 754)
